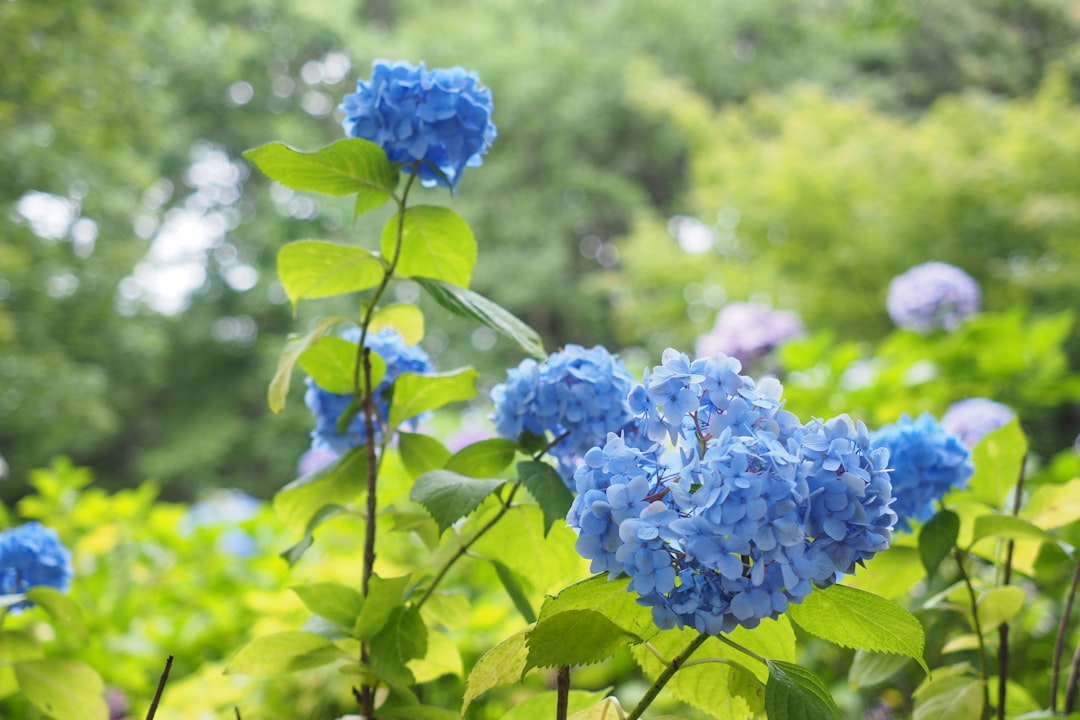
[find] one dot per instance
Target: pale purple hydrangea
(748, 331)
(974, 418)
(577, 396)
(932, 296)
(926, 462)
(723, 508)
(440, 118)
(328, 407)
(31, 555)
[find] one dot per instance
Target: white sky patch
(694, 236)
(49, 215)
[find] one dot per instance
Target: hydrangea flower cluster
(441, 118)
(975, 418)
(747, 331)
(31, 555)
(932, 296)
(577, 395)
(926, 462)
(721, 506)
(328, 407)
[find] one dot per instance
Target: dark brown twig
(160, 688)
(563, 687)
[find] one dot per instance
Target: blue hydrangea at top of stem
(926, 462)
(31, 555)
(441, 118)
(974, 418)
(747, 331)
(735, 509)
(932, 296)
(328, 407)
(577, 393)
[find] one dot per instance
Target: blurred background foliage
(799, 153)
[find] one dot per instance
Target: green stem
(464, 549)
(978, 629)
(1003, 629)
(362, 369)
(669, 672)
(745, 651)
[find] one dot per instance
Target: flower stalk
(665, 677)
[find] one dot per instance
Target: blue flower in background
(733, 509)
(932, 296)
(577, 395)
(31, 555)
(747, 331)
(926, 460)
(328, 407)
(441, 118)
(974, 418)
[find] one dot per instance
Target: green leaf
(421, 453)
(65, 612)
(998, 459)
(891, 573)
(999, 605)
(15, 645)
(870, 668)
(293, 554)
(331, 363)
(442, 658)
(63, 688)
(402, 638)
(449, 496)
(504, 664)
(415, 393)
(857, 619)
(608, 598)
(352, 165)
(580, 704)
(417, 712)
(336, 602)
(311, 269)
(279, 386)
(510, 582)
(436, 243)
(385, 595)
(607, 709)
(575, 637)
(950, 697)
(483, 459)
(340, 483)
(795, 693)
(467, 304)
(406, 319)
(546, 485)
(284, 652)
(937, 538)
(1007, 527)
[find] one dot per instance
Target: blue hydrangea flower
(577, 396)
(974, 418)
(720, 506)
(926, 460)
(31, 555)
(440, 118)
(932, 296)
(328, 407)
(747, 331)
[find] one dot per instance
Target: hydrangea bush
(748, 331)
(31, 555)
(973, 418)
(933, 296)
(712, 516)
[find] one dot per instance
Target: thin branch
(978, 628)
(1059, 643)
(745, 651)
(669, 672)
(1003, 629)
(160, 688)
(562, 705)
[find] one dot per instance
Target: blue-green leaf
(279, 386)
(449, 496)
(467, 304)
(401, 639)
(546, 485)
(937, 538)
(415, 393)
(486, 458)
(795, 693)
(339, 483)
(421, 453)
